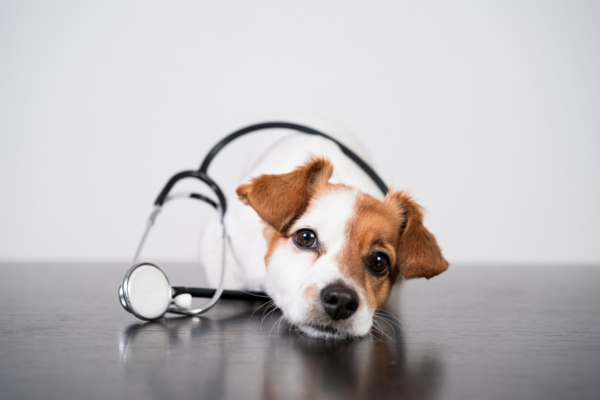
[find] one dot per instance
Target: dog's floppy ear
(277, 199)
(419, 255)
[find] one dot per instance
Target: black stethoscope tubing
(301, 128)
(225, 295)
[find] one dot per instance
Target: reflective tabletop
(475, 332)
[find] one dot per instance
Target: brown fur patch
(310, 293)
(277, 199)
(374, 227)
(394, 227)
(419, 253)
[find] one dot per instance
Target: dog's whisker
(400, 327)
(390, 325)
(378, 330)
(278, 333)
(269, 307)
(265, 317)
(268, 314)
(275, 324)
(374, 329)
(388, 313)
(374, 336)
(259, 307)
(386, 318)
(268, 310)
(382, 331)
(391, 318)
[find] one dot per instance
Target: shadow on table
(246, 356)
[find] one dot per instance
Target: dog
(313, 231)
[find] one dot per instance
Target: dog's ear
(419, 255)
(277, 199)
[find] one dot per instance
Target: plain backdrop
(488, 112)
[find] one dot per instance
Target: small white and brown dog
(312, 230)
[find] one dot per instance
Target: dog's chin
(326, 332)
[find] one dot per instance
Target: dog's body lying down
(311, 229)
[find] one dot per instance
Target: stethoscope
(146, 291)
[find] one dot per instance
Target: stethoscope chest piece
(146, 292)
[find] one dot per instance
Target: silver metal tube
(219, 290)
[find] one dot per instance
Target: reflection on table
(256, 355)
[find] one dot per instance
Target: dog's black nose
(339, 302)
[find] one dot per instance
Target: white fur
(291, 270)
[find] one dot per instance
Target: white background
(489, 112)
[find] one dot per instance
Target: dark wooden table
(472, 333)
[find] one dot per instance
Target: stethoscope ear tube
(162, 197)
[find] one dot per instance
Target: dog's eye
(306, 238)
(379, 263)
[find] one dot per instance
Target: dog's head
(335, 252)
